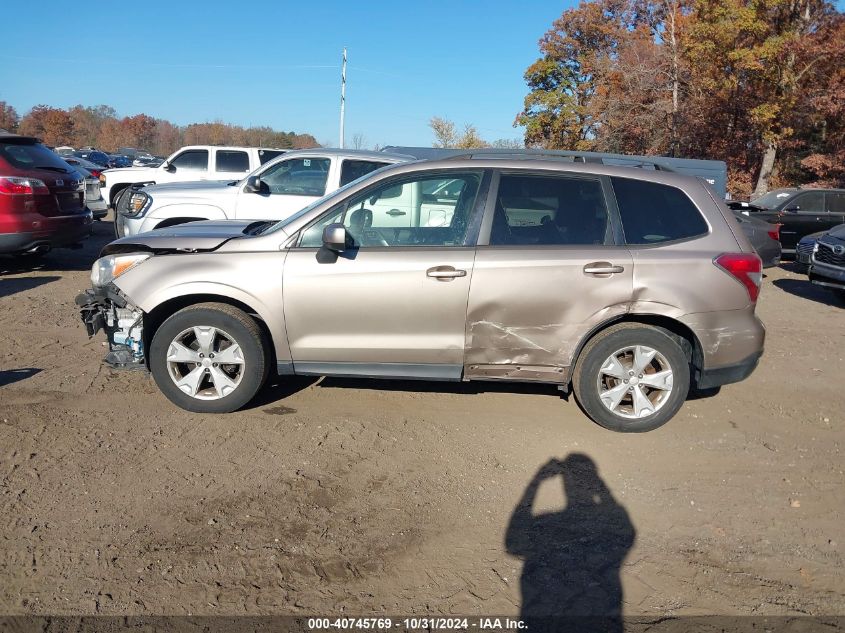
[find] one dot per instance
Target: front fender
(163, 278)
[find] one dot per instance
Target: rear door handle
(602, 268)
(445, 273)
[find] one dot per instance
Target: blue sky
(278, 63)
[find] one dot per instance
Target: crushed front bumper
(107, 309)
(826, 275)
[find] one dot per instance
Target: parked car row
(274, 191)
(104, 160)
(799, 212)
(191, 163)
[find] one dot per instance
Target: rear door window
(192, 159)
(809, 202)
(354, 169)
(549, 210)
(653, 213)
(232, 160)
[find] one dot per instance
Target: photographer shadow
(572, 558)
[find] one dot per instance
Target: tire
(217, 388)
(595, 374)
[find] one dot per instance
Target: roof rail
(597, 158)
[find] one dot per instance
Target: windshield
(772, 199)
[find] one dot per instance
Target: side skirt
(373, 370)
(522, 373)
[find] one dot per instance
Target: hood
(838, 232)
(137, 174)
(192, 190)
(189, 237)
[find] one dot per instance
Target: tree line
(101, 127)
(759, 84)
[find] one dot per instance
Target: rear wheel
(631, 378)
(209, 358)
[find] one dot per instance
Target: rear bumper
(62, 235)
(98, 208)
(830, 276)
(770, 254)
(727, 337)
(716, 377)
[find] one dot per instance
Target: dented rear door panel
(530, 306)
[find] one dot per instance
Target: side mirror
(168, 167)
(254, 185)
(334, 237)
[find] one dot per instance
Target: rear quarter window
(653, 213)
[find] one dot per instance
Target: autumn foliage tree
(8, 117)
(99, 126)
(447, 136)
(756, 83)
(52, 125)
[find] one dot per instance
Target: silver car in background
(627, 286)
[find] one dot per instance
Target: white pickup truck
(272, 192)
(194, 162)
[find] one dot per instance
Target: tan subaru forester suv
(628, 286)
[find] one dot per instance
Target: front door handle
(445, 273)
(396, 212)
(602, 268)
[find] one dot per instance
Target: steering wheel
(361, 228)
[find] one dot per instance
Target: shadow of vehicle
(23, 284)
(9, 376)
(572, 558)
(807, 290)
(794, 267)
(79, 258)
(280, 387)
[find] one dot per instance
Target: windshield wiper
(61, 170)
(257, 228)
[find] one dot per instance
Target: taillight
(774, 232)
(747, 268)
(22, 186)
(95, 172)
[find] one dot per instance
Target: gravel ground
(341, 496)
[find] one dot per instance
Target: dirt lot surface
(341, 496)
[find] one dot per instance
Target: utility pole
(342, 97)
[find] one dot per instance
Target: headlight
(138, 203)
(107, 269)
(102, 178)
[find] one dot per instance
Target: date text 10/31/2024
(417, 623)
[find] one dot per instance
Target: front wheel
(209, 358)
(631, 378)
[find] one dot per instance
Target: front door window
(423, 211)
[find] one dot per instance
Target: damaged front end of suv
(120, 306)
(105, 307)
